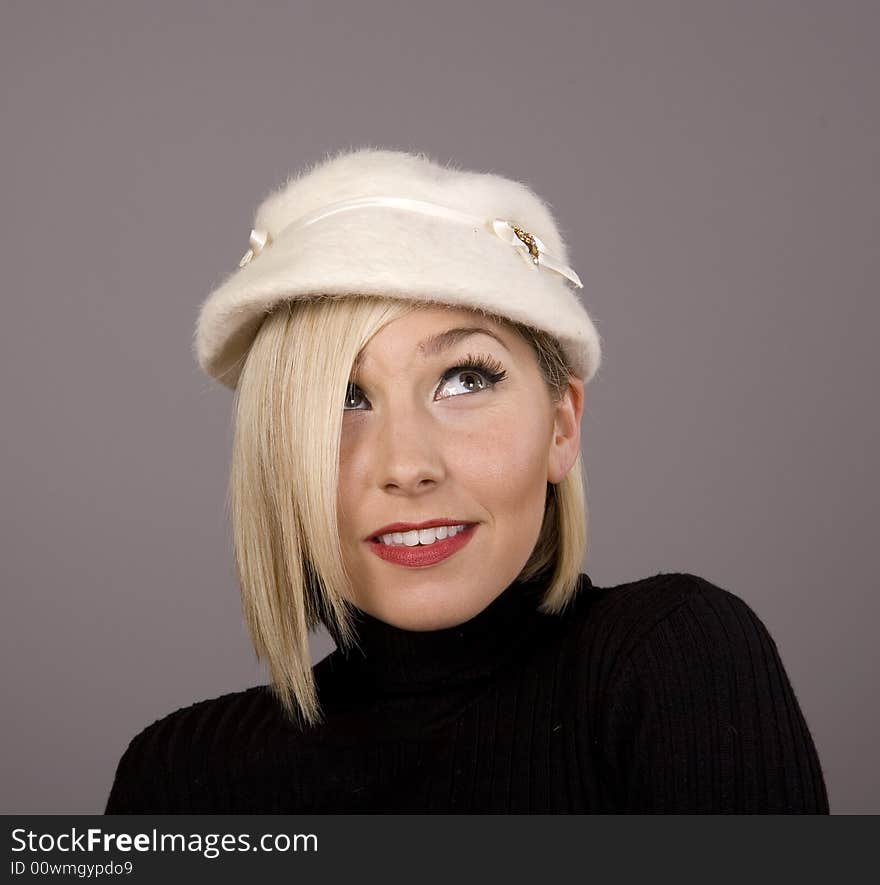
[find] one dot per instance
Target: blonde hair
(282, 496)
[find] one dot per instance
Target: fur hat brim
(397, 254)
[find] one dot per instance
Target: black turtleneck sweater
(665, 695)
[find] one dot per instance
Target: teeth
(422, 536)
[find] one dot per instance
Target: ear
(566, 443)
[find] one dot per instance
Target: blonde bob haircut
(282, 496)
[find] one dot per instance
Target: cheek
(349, 485)
(506, 456)
(354, 459)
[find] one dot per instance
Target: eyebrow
(442, 341)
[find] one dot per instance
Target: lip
(421, 556)
(415, 526)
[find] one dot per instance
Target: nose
(408, 453)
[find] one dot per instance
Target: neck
(392, 660)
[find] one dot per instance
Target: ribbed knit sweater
(664, 695)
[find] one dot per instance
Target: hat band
(527, 244)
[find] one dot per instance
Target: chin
(420, 614)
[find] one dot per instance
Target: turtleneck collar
(394, 660)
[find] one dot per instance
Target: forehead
(428, 331)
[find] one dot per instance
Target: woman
(409, 360)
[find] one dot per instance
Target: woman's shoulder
(211, 716)
(697, 712)
(159, 752)
(617, 621)
(645, 600)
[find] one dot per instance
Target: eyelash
(487, 366)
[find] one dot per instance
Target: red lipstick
(422, 555)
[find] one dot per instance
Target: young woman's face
(423, 440)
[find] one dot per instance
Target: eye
(469, 373)
(351, 396)
(474, 374)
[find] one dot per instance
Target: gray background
(714, 166)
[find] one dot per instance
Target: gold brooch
(529, 240)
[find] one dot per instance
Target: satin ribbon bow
(258, 240)
(532, 249)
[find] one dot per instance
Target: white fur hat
(383, 222)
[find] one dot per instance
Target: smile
(425, 547)
(422, 536)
